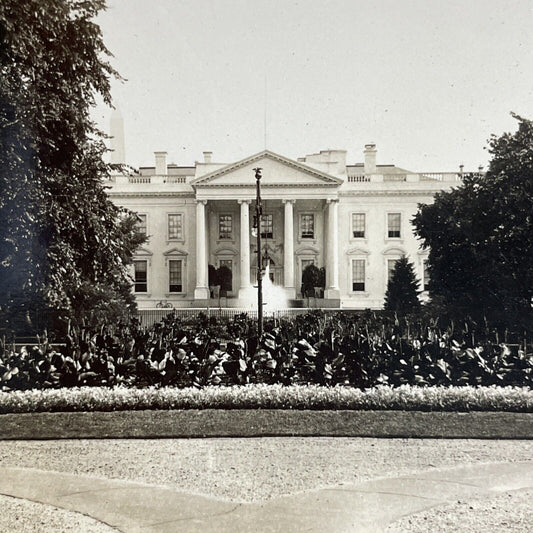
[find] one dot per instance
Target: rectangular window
(175, 226)
(141, 276)
(174, 276)
(358, 225)
(307, 226)
(391, 263)
(141, 224)
(426, 275)
(225, 227)
(394, 221)
(267, 225)
(358, 275)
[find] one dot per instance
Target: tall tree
(402, 290)
(480, 236)
(63, 244)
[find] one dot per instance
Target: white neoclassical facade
(354, 220)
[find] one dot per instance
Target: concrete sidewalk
(365, 507)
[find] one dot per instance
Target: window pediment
(357, 251)
(175, 252)
(308, 250)
(143, 252)
(394, 251)
(227, 250)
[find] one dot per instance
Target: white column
(332, 264)
(288, 248)
(201, 292)
(245, 247)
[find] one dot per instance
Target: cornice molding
(154, 194)
(395, 192)
(267, 185)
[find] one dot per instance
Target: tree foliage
(479, 236)
(312, 277)
(402, 291)
(63, 244)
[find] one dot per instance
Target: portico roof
(277, 171)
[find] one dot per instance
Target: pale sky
(428, 81)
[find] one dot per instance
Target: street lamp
(258, 213)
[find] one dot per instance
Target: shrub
(312, 277)
(336, 349)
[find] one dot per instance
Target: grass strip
(195, 423)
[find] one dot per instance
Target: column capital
(332, 200)
(244, 201)
(201, 202)
(288, 201)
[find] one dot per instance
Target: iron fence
(148, 317)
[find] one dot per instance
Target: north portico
(352, 219)
(225, 211)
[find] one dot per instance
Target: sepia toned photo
(266, 266)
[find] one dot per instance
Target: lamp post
(258, 213)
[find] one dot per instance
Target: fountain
(274, 296)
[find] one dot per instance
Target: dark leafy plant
(312, 277)
(315, 348)
(479, 238)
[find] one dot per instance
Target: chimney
(207, 157)
(160, 163)
(370, 158)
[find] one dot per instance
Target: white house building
(352, 219)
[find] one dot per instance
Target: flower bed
(327, 350)
(310, 397)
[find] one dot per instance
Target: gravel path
(258, 469)
(508, 512)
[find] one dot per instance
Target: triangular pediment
(276, 171)
(142, 252)
(175, 252)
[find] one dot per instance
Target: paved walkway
(365, 507)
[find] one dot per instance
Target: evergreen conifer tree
(402, 291)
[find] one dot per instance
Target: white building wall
(376, 248)
(375, 195)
